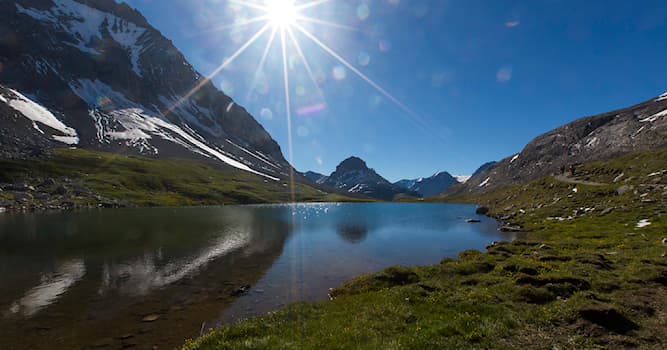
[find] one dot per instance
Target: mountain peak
(352, 163)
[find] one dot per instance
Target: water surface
(89, 279)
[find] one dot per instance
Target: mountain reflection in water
(69, 280)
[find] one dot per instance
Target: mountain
(315, 177)
(483, 167)
(353, 176)
(95, 74)
(600, 137)
(429, 186)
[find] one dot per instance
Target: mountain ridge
(642, 126)
(352, 175)
(429, 186)
(117, 85)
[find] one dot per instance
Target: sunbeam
(232, 26)
(288, 108)
(309, 70)
(262, 61)
(368, 80)
(217, 71)
(327, 23)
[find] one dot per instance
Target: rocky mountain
(353, 176)
(315, 177)
(484, 167)
(604, 136)
(95, 74)
(429, 186)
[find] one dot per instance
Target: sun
(281, 13)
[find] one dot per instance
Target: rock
(545, 246)
(510, 228)
(150, 318)
(126, 336)
(606, 211)
(240, 290)
(2, 210)
(472, 221)
(60, 190)
(482, 211)
(664, 240)
(48, 183)
(623, 189)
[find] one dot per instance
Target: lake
(152, 277)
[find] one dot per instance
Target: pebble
(150, 318)
(664, 241)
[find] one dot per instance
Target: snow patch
(462, 178)
(37, 113)
(86, 24)
(592, 142)
(654, 117)
(643, 223)
(485, 182)
(3, 99)
(515, 158)
(356, 188)
(662, 97)
(140, 124)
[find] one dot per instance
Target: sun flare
(281, 13)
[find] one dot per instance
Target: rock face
(353, 176)
(315, 177)
(604, 136)
(95, 74)
(429, 186)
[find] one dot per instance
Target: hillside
(600, 137)
(74, 178)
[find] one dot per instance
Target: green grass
(140, 181)
(594, 281)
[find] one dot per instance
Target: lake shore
(68, 179)
(591, 274)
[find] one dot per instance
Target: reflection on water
(51, 286)
(68, 280)
(140, 276)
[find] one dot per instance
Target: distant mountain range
(353, 176)
(600, 137)
(429, 186)
(95, 74)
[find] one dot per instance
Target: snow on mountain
(136, 124)
(354, 176)
(429, 186)
(462, 178)
(85, 25)
(107, 80)
(600, 137)
(39, 114)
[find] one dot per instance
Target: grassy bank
(86, 178)
(587, 276)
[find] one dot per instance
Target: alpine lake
(149, 278)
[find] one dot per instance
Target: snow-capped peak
(85, 24)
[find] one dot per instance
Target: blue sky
(480, 78)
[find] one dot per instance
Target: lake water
(152, 277)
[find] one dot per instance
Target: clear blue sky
(482, 77)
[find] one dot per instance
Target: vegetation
(589, 274)
(140, 181)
